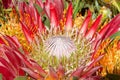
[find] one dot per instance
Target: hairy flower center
(60, 46)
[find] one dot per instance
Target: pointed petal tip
(27, 32)
(84, 26)
(110, 28)
(93, 28)
(68, 24)
(53, 16)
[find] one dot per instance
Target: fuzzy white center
(60, 46)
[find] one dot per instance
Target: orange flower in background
(110, 62)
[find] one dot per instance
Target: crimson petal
(27, 32)
(53, 16)
(91, 64)
(77, 73)
(68, 24)
(110, 28)
(7, 75)
(7, 65)
(38, 68)
(59, 7)
(32, 73)
(91, 72)
(93, 28)
(84, 26)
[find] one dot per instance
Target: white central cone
(60, 46)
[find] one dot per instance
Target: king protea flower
(14, 62)
(61, 44)
(62, 41)
(71, 48)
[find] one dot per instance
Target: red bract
(107, 30)
(81, 73)
(84, 26)
(28, 34)
(33, 22)
(97, 37)
(7, 3)
(14, 63)
(53, 16)
(10, 62)
(68, 25)
(94, 26)
(58, 5)
(112, 27)
(53, 9)
(87, 71)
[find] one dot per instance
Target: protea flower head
(15, 65)
(58, 41)
(69, 47)
(69, 34)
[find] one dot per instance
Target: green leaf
(97, 5)
(65, 4)
(0, 76)
(21, 78)
(75, 78)
(46, 21)
(43, 0)
(77, 6)
(115, 35)
(38, 8)
(112, 77)
(116, 3)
